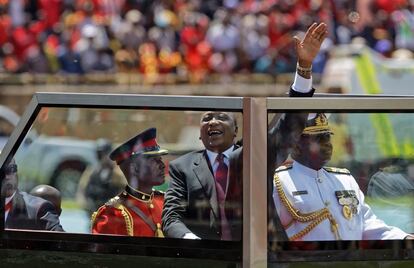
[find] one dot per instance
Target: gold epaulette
(283, 168)
(95, 215)
(114, 202)
(337, 170)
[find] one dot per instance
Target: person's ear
(236, 129)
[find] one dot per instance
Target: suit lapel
(204, 175)
(18, 210)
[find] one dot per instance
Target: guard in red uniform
(137, 210)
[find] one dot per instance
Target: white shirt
(310, 190)
(301, 84)
(214, 164)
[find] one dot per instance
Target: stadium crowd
(190, 38)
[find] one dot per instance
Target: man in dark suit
(197, 205)
(25, 211)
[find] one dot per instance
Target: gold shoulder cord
(125, 213)
(129, 222)
(315, 217)
(93, 217)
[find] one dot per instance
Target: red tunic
(117, 217)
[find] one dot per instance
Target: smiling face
(218, 130)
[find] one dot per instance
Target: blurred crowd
(188, 38)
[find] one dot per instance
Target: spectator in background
(196, 51)
(225, 49)
(37, 61)
(17, 14)
(69, 59)
(132, 32)
(50, 194)
(5, 25)
(126, 59)
(101, 182)
(224, 38)
(87, 48)
(403, 19)
(49, 12)
(255, 40)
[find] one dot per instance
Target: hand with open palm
(309, 46)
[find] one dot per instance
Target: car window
(60, 150)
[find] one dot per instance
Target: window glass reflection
(105, 171)
(346, 178)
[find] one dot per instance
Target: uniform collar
(141, 196)
(306, 170)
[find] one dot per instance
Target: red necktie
(8, 206)
(221, 174)
(221, 184)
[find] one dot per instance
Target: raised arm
(285, 130)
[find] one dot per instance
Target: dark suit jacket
(33, 213)
(191, 200)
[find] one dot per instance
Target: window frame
(331, 251)
(253, 250)
(225, 251)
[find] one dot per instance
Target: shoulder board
(157, 192)
(337, 170)
(283, 168)
(114, 202)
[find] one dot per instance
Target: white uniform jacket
(334, 191)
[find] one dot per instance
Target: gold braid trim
(93, 218)
(315, 217)
(115, 203)
(129, 222)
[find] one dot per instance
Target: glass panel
(68, 149)
(352, 190)
(8, 120)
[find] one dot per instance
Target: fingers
(312, 28)
(321, 28)
(320, 31)
(315, 33)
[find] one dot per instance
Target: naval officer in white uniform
(318, 203)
